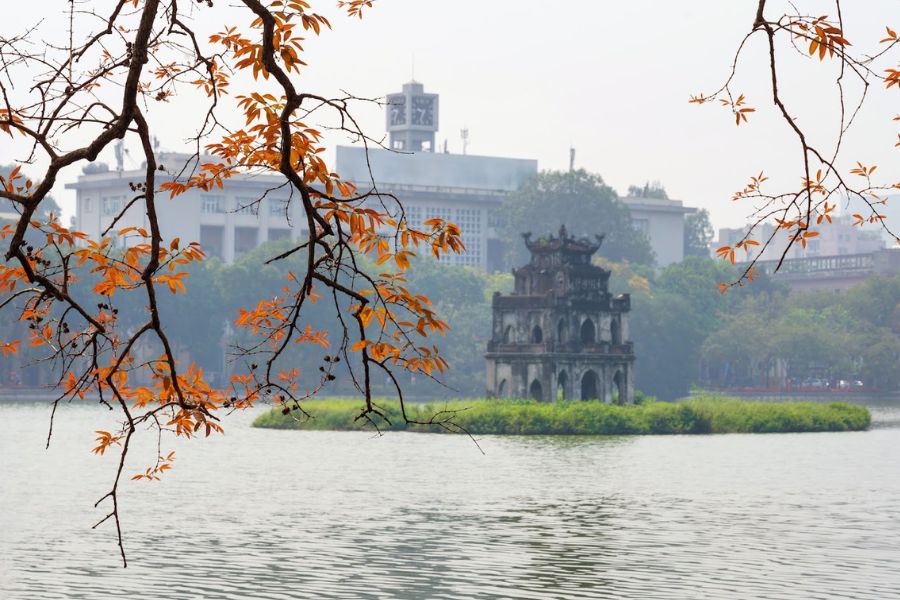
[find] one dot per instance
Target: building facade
(840, 257)
(831, 273)
(461, 188)
(251, 210)
(838, 238)
(561, 334)
(228, 222)
(662, 221)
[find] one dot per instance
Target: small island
(703, 414)
(560, 335)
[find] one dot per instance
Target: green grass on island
(698, 415)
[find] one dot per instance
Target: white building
(839, 238)
(460, 188)
(250, 210)
(662, 220)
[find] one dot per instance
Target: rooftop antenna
(412, 66)
(464, 134)
(571, 159)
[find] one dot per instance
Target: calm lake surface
(286, 514)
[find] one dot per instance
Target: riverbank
(698, 415)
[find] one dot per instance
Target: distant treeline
(201, 325)
(758, 335)
(685, 331)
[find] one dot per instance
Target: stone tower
(561, 334)
(412, 118)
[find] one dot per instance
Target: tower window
(588, 332)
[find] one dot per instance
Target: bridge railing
(819, 266)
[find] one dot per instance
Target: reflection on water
(270, 514)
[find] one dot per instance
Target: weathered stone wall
(561, 334)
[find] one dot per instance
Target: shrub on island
(698, 415)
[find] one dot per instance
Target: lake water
(287, 514)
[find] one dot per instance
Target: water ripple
(283, 515)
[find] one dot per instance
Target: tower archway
(589, 385)
(588, 332)
(562, 381)
(537, 335)
(615, 332)
(619, 388)
(536, 391)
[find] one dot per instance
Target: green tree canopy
(698, 233)
(583, 203)
(648, 190)
(677, 310)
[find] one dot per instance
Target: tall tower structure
(561, 334)
(412, 119)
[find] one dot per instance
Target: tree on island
(583, 203)
(86, 93)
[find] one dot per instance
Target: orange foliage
(823, 183)
(387, 324)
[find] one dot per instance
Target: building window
(211, 238)
(438, 212)
(279, 234)
(413, 216)
(246, 205)
(213, 204)
(278, 207)
(244, 239)
(112, 205)
(469, 221)
(87, 205)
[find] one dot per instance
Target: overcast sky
(531, 78)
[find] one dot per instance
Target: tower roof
(564, 244)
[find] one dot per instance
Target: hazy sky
(531, 78)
